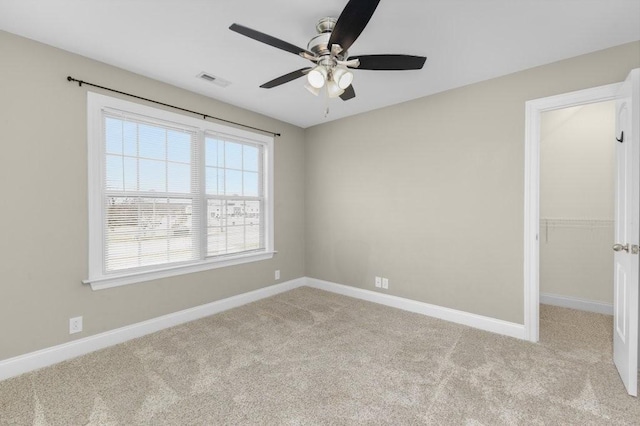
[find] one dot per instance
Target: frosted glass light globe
(317, 77)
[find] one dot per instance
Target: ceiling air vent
(213, 79)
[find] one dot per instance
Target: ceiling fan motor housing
(326, 25)
(320, 43)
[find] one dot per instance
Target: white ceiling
(465, 41)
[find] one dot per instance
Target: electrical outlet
(75, 325)
(378, 282)
(385, 283)
(277, 274)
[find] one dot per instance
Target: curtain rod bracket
(71, 79)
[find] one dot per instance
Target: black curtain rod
(204, 116)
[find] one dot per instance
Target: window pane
(252, 213)
(216, 241)
(235, 213)
(216, 237)
(233, 182)
(216, 227)
(130, 174)
(253, 228)
(253, 237)
(153, 175)
(215, 213)
(152, 142)
(130, 138)
(148, 231)
(233, 155)
(153, 247)
(221, 181)
(179, 177)
(180, 248)
(178, 146)
(114, 178)
(211, 152)
(211, 180)
(113, 135)
(235, 239)
(250, 158)
(234, 226)
(250, 184)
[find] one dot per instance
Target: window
(235, 195)
(171, 194)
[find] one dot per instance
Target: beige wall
(429, 193)
(577, 149)
(43, 182)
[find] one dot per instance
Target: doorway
(577, 168)
(533, 134)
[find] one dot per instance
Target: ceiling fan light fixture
(333, 90)
(317, 77)
(343, 77)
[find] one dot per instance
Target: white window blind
(171, 194)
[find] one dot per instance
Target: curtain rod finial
(69, 78)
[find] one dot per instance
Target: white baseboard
(32, 361)
(459, 317)
(575, 303)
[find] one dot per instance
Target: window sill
(102, 283)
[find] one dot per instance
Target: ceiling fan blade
(389, 62)
(354, 17)
(267, 39)
(349, 93)
(286, 78)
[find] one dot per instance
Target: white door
(627, 232)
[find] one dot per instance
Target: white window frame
(98, 279)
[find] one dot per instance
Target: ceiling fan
(328, 52)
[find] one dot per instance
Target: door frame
(533, 111)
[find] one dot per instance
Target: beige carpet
(311, 357)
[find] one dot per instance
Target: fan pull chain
(326, 102)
